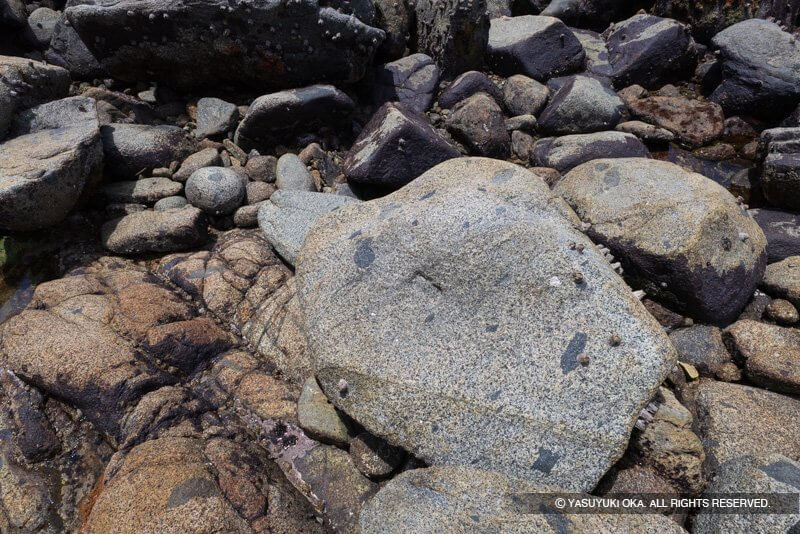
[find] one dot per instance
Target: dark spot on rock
(435, 427)
(429, 318)
(726, 243)
(569, 358)
(601, 166)
(355, 234)
(491, 327)
(495, 395)
(783, 472)
(195, 487)
(503, 176)
(482, 189)
(427, 195)
(611, 178)
(546, 461)
(465, 225)
(501, 210)
(364, 255)
(388, 209)
(414, 222)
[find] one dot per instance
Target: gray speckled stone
(215, 117)
(156, 231)
(208, 157)
(144, 191)
(461, 297)
(701, 346)
(216, 190)
(524, 96)
(582, 105)
(756, 473)
(292, 174)
(464, 500)
(411, 80)
(566, 152)
(131, 149)
(169, 203)
(782, 229)
(318, 417)
(680, 235)
(782, 279)
(287, 217)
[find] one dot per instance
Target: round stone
(169, 203)
(216, 190)
(782, 312)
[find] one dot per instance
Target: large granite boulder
(32, 82)
(760, 69)
(678, 234)
(581, 105)
(469, 300)
(193, 43)
(539, 47)
(44, 170)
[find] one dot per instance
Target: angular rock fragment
(411, 80)
(156, 231)
(467, 85)
(695, 123)
(770, 354)
(453, 33)
(478, 122)
(581, 105)
(132, 149)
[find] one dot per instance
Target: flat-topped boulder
(469, 300)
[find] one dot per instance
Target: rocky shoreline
(394, 267)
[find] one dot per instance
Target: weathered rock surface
(410, 272)
(32, 82)
(411, 80)
(649, 51)
(453, 33)
(216, 190)
(760, 69)
(539, 47)
(317, 416)
(215, 117)
(291, 174)
(395, 146)
(156, 40)
(734, 420)
(144, 191)
(156, 231)
(645, 132)
(44, 170)
(582, 105)
(567, 152)
(68, 50)
(447, 499)
(131, 149)
(782, 279)
(782, 230)
(694, 122)
(680, 235)
(208, 157)
(701, 346)
(753, 473)
(478, 122)
(770, 354)
(273, 116)
(595, 14)
(288, 216)
(467, 85)
(523, 95)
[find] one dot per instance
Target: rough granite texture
(466, 308)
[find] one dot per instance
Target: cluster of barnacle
(646, 416)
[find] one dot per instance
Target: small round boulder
(215, 190)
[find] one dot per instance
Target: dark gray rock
(594, 45)
(782, 230)
(216, 190)
(215, 117)
(478, 122)
(187, 45)
(593, 14)
(131, 149)
(411, 80)
(758, 473)
(539, 47)
(650, 51)
(13, 13)
(527, 123)
(769, 354)
(453, 33)
(156, 231)
(467, 85)
(780, 180)
(272, 117)
(582, 105)
(373, 456)
(680, 236)
(782, 279)
(414, 265)
(524, 96)
(208, 157)
(701, 346)
(287, 217)
(31, 83)
(395, 146)
(291, 174)
(41, 24)
(8, 106)
(394, 18)
(564, 153)
(67, 50)
(262, 168)
(45, 169)
(760, 69)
